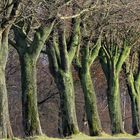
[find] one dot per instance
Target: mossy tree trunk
(29, 54)
(135, 105)
(90, 104)
(132, 71)
(8, 16)
(114, 104)
(30, 113)
(5, 126)
(112, 61)
(60, 58)
(83, 68)
(67, 103)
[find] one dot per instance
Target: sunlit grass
(82, 136)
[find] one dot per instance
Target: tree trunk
(90, 103)
(5, 126)
(30, 113)
(64, 83)
(135, 104)
(114, 104)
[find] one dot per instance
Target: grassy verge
(85, 137)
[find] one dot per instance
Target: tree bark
(135, 102)
(61, 54)
(30, 113)
(64, 83)
(5, 126)
(89, 54)
(112, 64)
(29, 54)
(135, 106)
(90, 103)
(114, 104)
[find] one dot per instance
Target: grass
(82, 136)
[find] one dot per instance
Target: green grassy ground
(85, 137)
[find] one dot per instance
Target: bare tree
(132, 71)
(8, 13)
(60, 55)
(29, 54)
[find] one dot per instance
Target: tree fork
(28, 59)
(60, 59)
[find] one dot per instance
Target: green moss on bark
(64, 83)
(114, 104)
(29, 96)
(29, 54)
(83, 66)
(135, 102)
(60, 55)
(90, 103)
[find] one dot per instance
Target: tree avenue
(64, 40)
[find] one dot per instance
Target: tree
(116, 48)
(132, 72)
(90, 43)
(89, 52)
(8, 13)
(29, 52)
(61, 55)
(113, 55)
